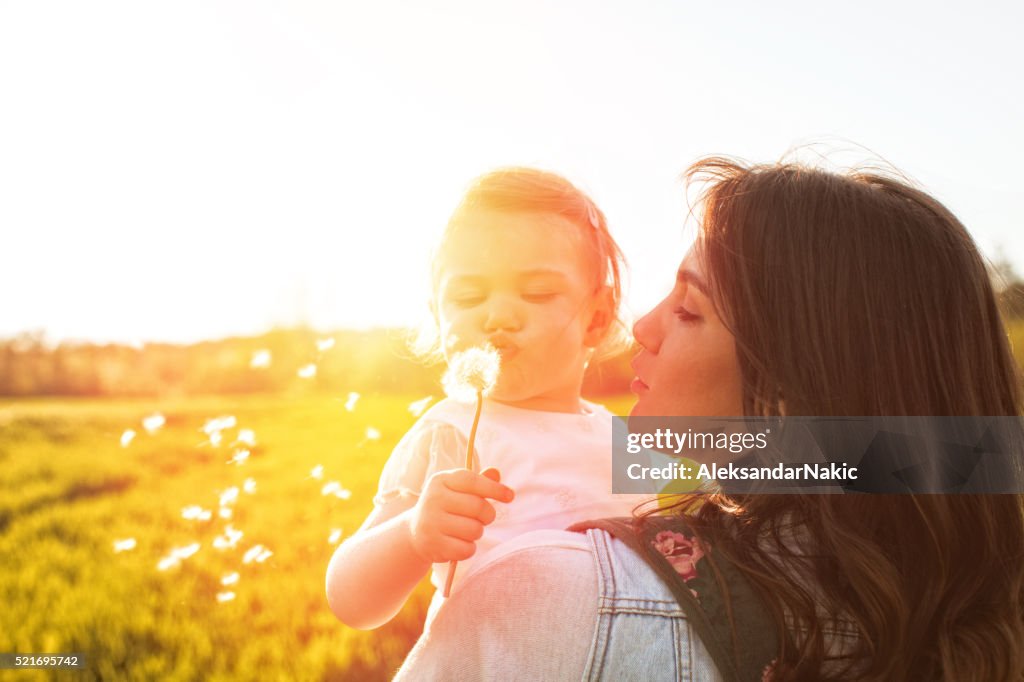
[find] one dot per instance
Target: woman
(807, 293)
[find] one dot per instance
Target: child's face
(521, 282)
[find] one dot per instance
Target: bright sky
(188, 170)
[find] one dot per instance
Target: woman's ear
(600, 317)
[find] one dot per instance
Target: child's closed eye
(539, 296)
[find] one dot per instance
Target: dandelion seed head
(325, 344)
(127, 437)
(229, 579)
(472, 371)
(335, 535)
(307, 371)
(260, 359)
(350, 403)
(153, 422)
(225, 596)
(249, 486)
(417, 407)
(317, 471)
(124, 545)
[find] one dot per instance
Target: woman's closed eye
(685, 315)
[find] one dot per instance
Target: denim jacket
(559, 605)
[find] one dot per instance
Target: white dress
(558, 464)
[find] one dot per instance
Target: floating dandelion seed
(125, 545)
(350, 404)
(153, 422)
(417, 408)
(372, 433)
(194, 512)
(225, 596)
(229, 540)
(220, 424)
(257, 553)
(186, 551)
(225, 512)
(307, 372)
(167, 562)
(331, 488)
(246, 437)
(317, 471)
(335, 535)
(229, 579)
(239, 457)
(343, 494)
(229, 496)
(471, 375)
(470, 372)
(127, 437)
(215, 439)
(325, 344)
(260, 358)
(249, 486)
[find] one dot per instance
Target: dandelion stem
(469, 465)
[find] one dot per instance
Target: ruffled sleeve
(430, 446)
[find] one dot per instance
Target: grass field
(69, 490)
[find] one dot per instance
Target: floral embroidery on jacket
(682, 553)
(768, 674)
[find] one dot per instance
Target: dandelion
(249, 486)
(472, 372)
(317, 471)
(225, 596)
(229, 496)
(417, 407)
(246, 437)
(239, 457)
(229, 579)
(372, 433)
(225, 512)
(260, 359)
(325, 344)
(471, 375)
(194, 512)
(350, 404)
(307, 371)
(153, 422)
(229, 539)
(335, 535)
(127, 437)
(125, 545)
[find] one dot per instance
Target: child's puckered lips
(505, 346)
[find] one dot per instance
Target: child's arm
(372, 574)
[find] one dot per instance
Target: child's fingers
(492, 473)
(465, 481)
(469, 506)
(453, 549)
(462, 528)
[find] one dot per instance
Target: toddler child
(526, 266)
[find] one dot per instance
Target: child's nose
(501, 315)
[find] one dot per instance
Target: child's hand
(452, 511)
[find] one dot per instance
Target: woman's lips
(638, 386)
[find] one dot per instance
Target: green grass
(68, 490)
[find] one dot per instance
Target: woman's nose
(501, 315)
(646, 333)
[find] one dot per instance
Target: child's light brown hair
(519, 189)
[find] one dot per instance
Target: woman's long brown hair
(857, 294)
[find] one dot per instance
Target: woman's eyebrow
(690, 277)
